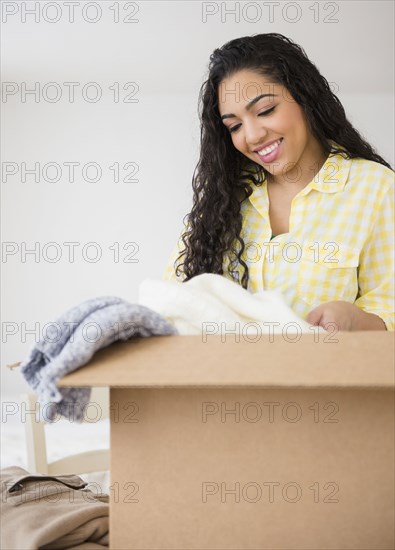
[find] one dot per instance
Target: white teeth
(269, 149)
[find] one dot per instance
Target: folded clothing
(71, 342)
(39, 511)
(206, 304)
(211, 302)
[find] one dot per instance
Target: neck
(310, 163)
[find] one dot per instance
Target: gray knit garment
(72, 340)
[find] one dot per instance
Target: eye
(264, 113)
(234, 128)
(267, 112)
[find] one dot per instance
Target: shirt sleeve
(376, 268)
(170, 274)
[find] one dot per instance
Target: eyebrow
(249, 105)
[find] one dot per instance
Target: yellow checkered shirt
(340, 244)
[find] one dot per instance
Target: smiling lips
(269, 153)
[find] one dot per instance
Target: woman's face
(270, 130)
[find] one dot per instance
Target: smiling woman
(288, 163)
(281, 168)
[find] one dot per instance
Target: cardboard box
(266, 444)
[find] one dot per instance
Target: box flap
(346, 359)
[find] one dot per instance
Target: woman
(287, 194)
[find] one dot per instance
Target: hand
(345, 316)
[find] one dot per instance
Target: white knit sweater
(213, 304)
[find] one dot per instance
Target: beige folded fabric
(51, 512)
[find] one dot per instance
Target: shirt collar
(332, 176)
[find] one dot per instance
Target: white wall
(166, 53)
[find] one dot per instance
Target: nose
(254, 134)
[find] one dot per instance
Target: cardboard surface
(358, 359)
(250, 445)
(206, 484)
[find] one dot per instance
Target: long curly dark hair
(221, 180)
